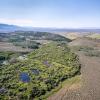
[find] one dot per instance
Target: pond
(24, 77)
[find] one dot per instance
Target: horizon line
(51, 27)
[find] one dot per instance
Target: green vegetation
(31, 39)
(5, 55)
(67, 83)
(28, 39)
(42, 72)
(42, 36)
(9, 56)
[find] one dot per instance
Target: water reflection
(24, 77)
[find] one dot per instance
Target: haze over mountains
(11, 28)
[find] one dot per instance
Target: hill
(43, 70)
(94, 36)
(27, 40)
(71, 35)
(9, 28)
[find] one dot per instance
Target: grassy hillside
(73, 35)
(44, 69)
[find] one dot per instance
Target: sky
(51, 13)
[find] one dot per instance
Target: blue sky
(51, 13)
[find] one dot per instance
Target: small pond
(24, 77)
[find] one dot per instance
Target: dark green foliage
(5, 55)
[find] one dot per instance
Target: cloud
(21, 22)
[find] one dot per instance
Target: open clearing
(89, 88)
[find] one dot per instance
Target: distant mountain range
(12, 28)
(9, 28)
